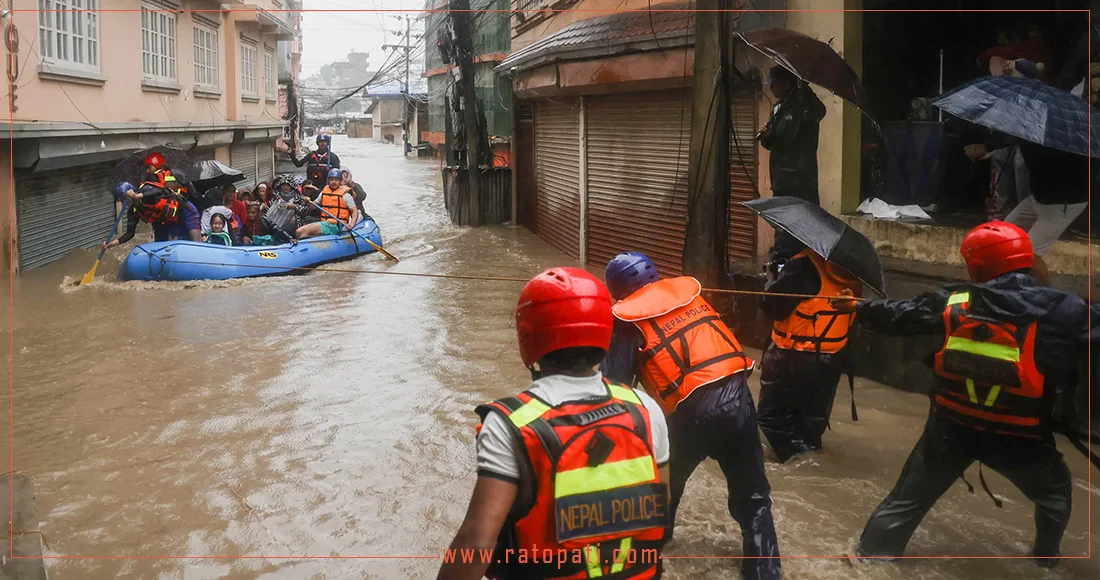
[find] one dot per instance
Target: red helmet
(155, 159)
(995, 248)
(562, 308)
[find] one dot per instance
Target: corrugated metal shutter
(58, 211)
(557, 174)
(637, 167)
(743, 177)
(243, 159)
(265, 163)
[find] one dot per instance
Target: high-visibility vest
(165, 210)
(333, 202)
(815, 325)
(686, 343)
(991, 380)
(597, 492)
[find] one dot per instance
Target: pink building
(92, 85)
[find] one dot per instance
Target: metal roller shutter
(557, 174)
(638, 155)
(743, 177)
(243, 159)
(265, 163)
(58, 211)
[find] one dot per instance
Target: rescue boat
(181, 260)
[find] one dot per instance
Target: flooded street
(331, 414)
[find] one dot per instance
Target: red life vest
(165, 210)
(992, 382)
(686, 343)
(158, 178)
(318, 167)
(596, 488)
(333, 202)
(814, 325)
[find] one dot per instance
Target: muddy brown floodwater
(331, 414)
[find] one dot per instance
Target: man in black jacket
(1010, 349)
(791, 136)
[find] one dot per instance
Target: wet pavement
(331, 414)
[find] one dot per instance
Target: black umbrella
(1027, 109)
(212, 173)
(825, 234)
(132, 168)
(810, 60)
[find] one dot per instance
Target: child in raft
(218, 234)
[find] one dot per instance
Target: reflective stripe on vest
(988, 377)
(686, 343)
(814, 325)
(595, 483)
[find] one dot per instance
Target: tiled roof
(612, 34)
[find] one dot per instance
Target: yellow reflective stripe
(624, 394)
(620, 559)
(970, 390)
(996, 351)
(610, 475)
(592, 561)
(958, 298)
(530, 411)
(992, 396)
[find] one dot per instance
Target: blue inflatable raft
(186, 260)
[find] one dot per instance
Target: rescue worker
(187, 226)
(153, 205)
(572, 442)
(1010, 345)
(319, 163)
(336, 200)
(155, 171)
(673, 342)
(802, 364)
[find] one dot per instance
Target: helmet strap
(536, 373)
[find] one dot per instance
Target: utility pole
(407, 47)
(464, 83)
(708, 166)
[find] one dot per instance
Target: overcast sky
(329, 36)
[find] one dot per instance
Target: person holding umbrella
(1010, 347)
(669, 339)
(802, 364)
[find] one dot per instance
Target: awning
(668, 26)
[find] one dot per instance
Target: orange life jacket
(992, 382)
(159, 178)
(686, 343)
(597, 493)
(165, 210)
(815, 325)
(333, 202)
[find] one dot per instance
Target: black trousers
(941, 456)
(719, 421)
(797, 390)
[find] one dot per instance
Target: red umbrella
(809, 59)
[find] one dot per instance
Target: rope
(474, 278)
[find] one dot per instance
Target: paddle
(87, 279)
(353, 232)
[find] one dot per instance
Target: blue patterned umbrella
(1027, 109)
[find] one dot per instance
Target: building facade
(103, 78)
(491, 43)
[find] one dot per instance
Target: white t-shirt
(500, 449)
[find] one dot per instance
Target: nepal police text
(536, 555)
(686, 316)
(602, 514)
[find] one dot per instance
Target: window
(269, 74)
(68, 33)
(158, 44)
(248, 69)
(206, 57)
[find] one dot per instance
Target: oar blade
(87, 279)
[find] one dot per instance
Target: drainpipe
(583, 181)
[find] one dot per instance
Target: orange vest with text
(990, 379)
(815, 325)
(597, 494)
(686, 343)
(333, 202)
